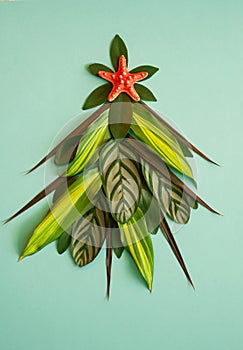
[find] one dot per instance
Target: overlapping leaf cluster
(120, 183)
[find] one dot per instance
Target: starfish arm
(133, 94)
(139, 76)
(106, 75)
(113, 94)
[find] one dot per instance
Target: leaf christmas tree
(123, 178)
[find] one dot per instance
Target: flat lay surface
(48, 302)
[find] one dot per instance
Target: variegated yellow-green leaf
(160, 140)
(87, 152)
(135, 237)
(64, 212)
(174, 202)
(88, 234)
(121, 179)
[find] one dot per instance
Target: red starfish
(122, 80)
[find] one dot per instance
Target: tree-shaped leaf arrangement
(124, 177)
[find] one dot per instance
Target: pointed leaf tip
(117, 48)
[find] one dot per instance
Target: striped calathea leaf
(121, 179)
(123, 174)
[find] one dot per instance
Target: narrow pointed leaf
(67, 151)
(77, 131)
(135, 237)
(97, 96)
(108, 260)
(63, 242)
(121, 179)
(89, 146)
(94, 68)
(57, 183)
(117, 49)
(116, 241)
(172, 243)
(88, 235)
(151, 70)
(144, 93)
(177, 134)
(120, 116)
(160, 140)
(64, 212)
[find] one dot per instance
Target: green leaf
(117, 49)
(94, 68)
(97, 96)
(185, 149)
(144, 92)
(66, 152)
(151, 210)
(88, 151)
(160, 140)
(63, 242)
(68, 208)
(151, 70)
(120, 116)
(135, 237)
(116, 241)
(121, 179)
(88, 234)
(174, 202)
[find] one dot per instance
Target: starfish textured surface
(123, 81)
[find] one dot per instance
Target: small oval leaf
(63, 242)
(97, 96)
(94, 68)
(144, 93)
(151, 70)
(117, 49)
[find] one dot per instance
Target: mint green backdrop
(48, 303)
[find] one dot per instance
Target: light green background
(48, 303)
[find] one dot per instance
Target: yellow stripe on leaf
(135, 237)
(67, 209)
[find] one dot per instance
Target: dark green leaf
(97, 96)
(66, 152)
(149, 69)
(94, 68)
(144, 93)
(185, 149)
(150, 207)
(116, 242)
(63, 242)
(117, 49)
(120, 116)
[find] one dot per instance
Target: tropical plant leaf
(94, 68)
(144, 93)
(158, 164)
(174, 202)
(163, 123)
(161, 141)
(108, 260)
(121, 179)
(67, 151)
(151, 70)
(69, 207)
(89, 146)
(97, 96)
(117, 49)
(186, 151)
(120, 116)
(172, 243)
(88, 234)
(76, 132)
(135, 237)
(116, 240)
(63, 242)
(151, 210)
